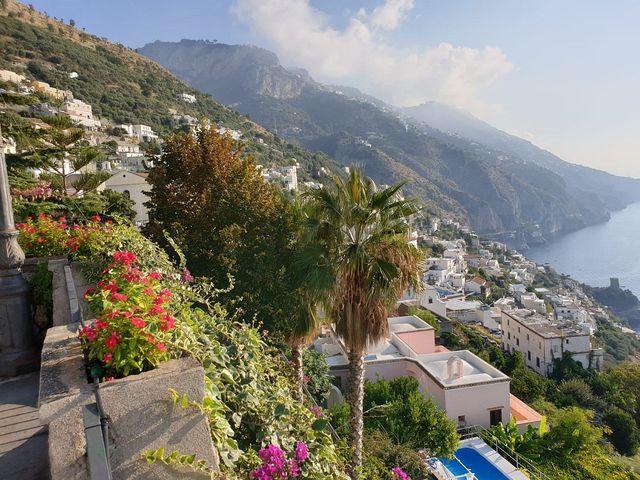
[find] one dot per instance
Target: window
(555, 349)
(518, 329)
(431, 300)
(537, 361)
(540, 345)
(462, 421)
(126, 193)
(566, 341)
(509, 335)
(527, 337)
(495, 416)
(518, 341)
(528, 355)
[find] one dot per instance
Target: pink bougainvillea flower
(398, 474)
(302, 452)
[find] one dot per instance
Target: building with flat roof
(450, 378)
(541, 341)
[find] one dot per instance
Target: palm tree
(303, 329)
(362, 264)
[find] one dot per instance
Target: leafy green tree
(411, 419)
(316, 370)
(213, 202)
(571, 432)
(66, 159)
(623, 432)
(381, 451)
(360, 234)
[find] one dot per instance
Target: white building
(187, 97)
(134, 186)
(286, 177)
(541, 341)
(477, 286)
(530, 301)
(127, 149)
(144, 133)
(80, 112)
(8, 145)
(451, 379)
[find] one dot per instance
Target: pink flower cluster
(40, 190)
(398, 474)
(276, 466)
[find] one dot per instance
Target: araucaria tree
(214, 202)
(363, 263)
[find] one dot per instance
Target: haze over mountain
(461, 166)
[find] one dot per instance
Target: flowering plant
(49, 236)
(276, 466)
(134, 319)
(44, 236)
(398, 474)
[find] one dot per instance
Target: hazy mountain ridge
(493, 188)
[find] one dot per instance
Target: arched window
(127, 194)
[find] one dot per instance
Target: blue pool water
(476, 463)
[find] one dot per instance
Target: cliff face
(514, 194)
(200, 63)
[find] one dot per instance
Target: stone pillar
(16, 330)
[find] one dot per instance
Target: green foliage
(398, 408)
(382, 454)
(317, 371)
(622, 431)
(571, 432)
(40, 282)
(428, 317)
(228, 221)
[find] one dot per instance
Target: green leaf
(320, 424)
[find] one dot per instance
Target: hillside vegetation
(125, 87)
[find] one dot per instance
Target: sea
(594, 254)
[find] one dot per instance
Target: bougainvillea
(276, 466)
(134, 321)
(398, 474)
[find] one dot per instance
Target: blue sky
(563, 74)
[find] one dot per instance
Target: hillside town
(185, 293)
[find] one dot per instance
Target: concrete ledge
(139, 410)
(63, 392)
(142, 417)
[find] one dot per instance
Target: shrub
(44, 236)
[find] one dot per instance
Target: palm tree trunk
(296, 358)
(356, 397)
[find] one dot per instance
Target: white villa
(541, 341)
(80, 112)
(144, 133)
(133, 185)
(451, 379)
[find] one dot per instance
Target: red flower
(138, 322)
(41, 240)
(126, 258)
(107, 357)
(101, 324)
(95, 218)
(88, 292)
(112, 341)
(155, 275)
(167, 323)
(156, 310)
(160, 346)
(119, 297)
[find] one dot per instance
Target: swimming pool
(474, 463)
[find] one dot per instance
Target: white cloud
(360, 56)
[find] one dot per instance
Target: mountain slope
(496, 193)
(614, 191)
(125, 87)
